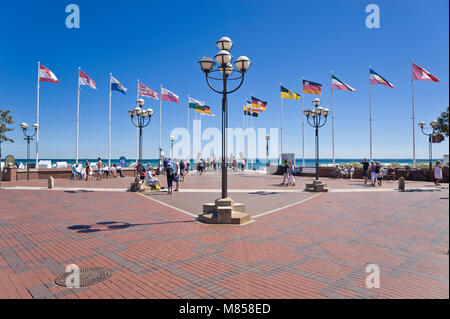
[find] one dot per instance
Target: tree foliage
(442, 126)
(5, 122)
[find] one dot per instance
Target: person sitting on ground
(77, 171)
(150, 178)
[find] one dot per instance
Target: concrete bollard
(51, 182)
(401, 184)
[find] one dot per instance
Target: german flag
(286, 94)
(257, 103)
(312, 87)
(248, 110)
(206, 109)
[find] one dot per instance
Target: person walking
(170, 177)
(437, 173)
(88, 170)
(291, 169)
(373, 177)
(100, 169)
(177, 176)
(365, 172)
(165, 165)
(182, 170)
(285, 172)
(378, 172)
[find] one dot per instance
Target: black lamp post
(433, 126)
(225, 71)
(140, 118)
(317, 119)
(28, 138)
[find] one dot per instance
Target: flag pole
(137, 129)
(281, 109)
(370, 114)
(251, 123)
(109, 123)
(413, 116)
(332, 118)
(37, 115)
(188, 126)
(160, 126)
(78, 117)
(303, 125)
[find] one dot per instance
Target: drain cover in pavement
(88, 276)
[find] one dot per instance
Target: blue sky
(160, 42)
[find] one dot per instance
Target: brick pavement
(316, 249)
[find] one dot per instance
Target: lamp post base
(224, 211)
(317, 187)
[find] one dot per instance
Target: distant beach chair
(44, 164)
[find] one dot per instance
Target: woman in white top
(437, 173)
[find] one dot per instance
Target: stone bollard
(51, 182)
(401, 184)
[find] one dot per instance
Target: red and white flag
(45, 75)
(166, 95)
(83, 79)
(145, 91)
(422, 74)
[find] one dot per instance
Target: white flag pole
(78, 117)
(332, 119)
(370, 114)
(413, 116)
(109, 122)
(281, 129)
(303, 126)
(160, 125)
(37, 115)
(137, 130)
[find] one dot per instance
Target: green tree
(442, 127)
(5, 122)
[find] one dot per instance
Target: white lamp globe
(24, 126)
(225, 43)
(223, 57)
(242, 63)
(207, 64)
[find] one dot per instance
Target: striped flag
(167, 95)
(312, 87)
(83, 79)
(339, 85)
(196, 104)
(45, 75)
(375, 78)
(287, 94)
(258, 104)
(145, 91)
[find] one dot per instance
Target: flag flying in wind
(196, 104)
(166, 95)
(45, 75)
(257, 103)
(375, 78)
(339, 85)
(83, 79)
(287, 94)
(312, 87)
(145, 91)
(116, 85)
(422, 74)
(205, 111)
(249, 110)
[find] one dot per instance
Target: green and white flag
(196, 104)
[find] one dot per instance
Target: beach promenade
(298, 245)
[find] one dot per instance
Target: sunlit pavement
(299, 245)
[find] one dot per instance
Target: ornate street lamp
(28, 138)
(433, 126)
(317, 118)
(140, 118)
(224, 72)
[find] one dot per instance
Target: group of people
(377, 172)
(87, 173)
(344, 172)
(288, 174)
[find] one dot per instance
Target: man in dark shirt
(365, 173)
(165, 162)
(285, 172)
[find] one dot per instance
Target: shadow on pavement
(84, 229)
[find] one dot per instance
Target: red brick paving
(316, 249)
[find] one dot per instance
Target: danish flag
(45, 75)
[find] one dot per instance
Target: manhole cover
(88, 276)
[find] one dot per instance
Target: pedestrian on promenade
(437, 173)
(170, 178)
(373, 176)
(378, 172)
(182, 170)
(285, 172)
(177, 173)
(88, 170)
(165, 166)
(291, 169)
(365, 172)
(100, 169)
